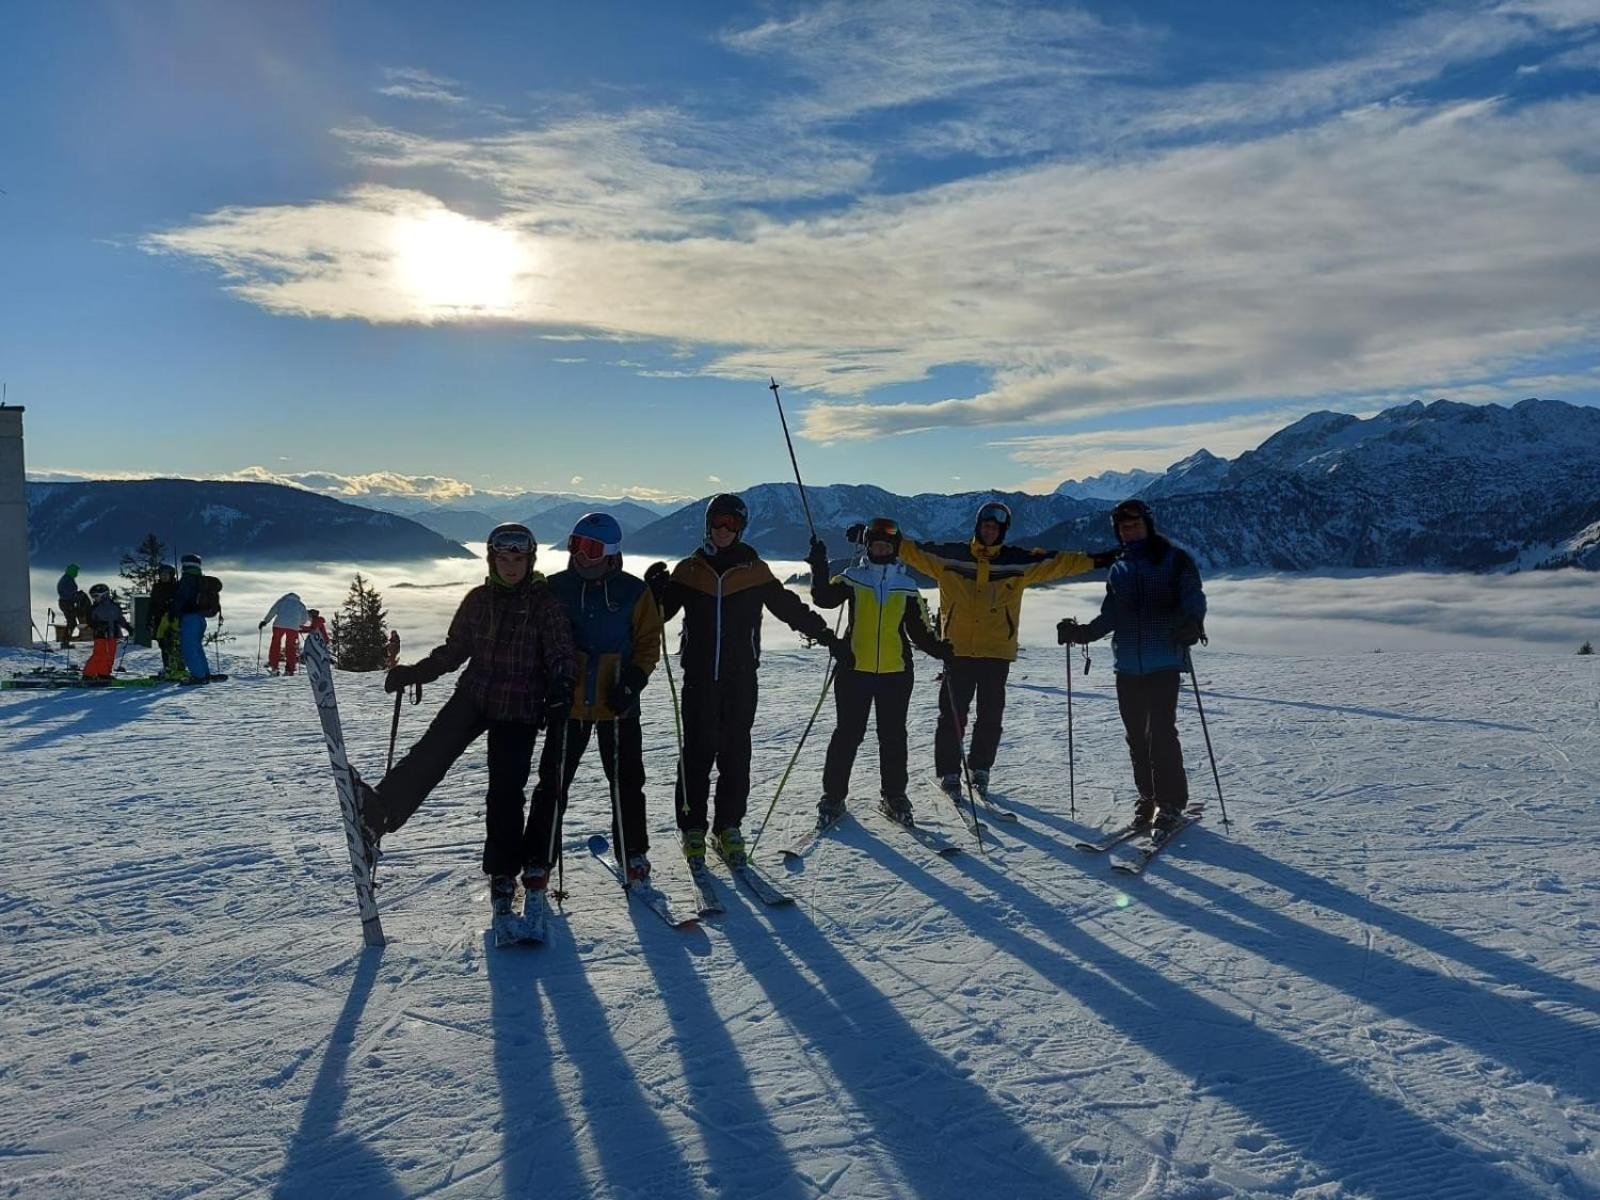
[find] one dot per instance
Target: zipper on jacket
(716, 662)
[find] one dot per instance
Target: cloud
(412, 83)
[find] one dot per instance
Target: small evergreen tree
(1586, 648)
(140, 567)
(360, 636)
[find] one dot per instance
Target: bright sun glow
(455, 266)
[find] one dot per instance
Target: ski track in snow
(1380, 982)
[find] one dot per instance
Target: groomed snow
(1381, 981)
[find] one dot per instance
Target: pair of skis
(705, 887)
(929, 838)
(1143, 840)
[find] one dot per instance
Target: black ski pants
(455, 727)
(1149, 707)
(966, 678)
(622, 758)
(717, 718)
(855, 694)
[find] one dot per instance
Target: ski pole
(616, 806)
(1072, 758)
(1201, 708)
(960, 722)
(396, 695)
(677, 716)
(553, 851)
(827, 683)
(394, 730)
(773, 386)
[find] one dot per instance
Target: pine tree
(141, 567)
(360, 636)
(1586, 648)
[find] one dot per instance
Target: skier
(163, 621)
(514, 636)
(617, 630)
(980, 606)
(391, 652)
(106, 620)
(196, 597)
(288, 616)
(887, 615)
(315, 624)
(1155, 610)
(73, 603)
(722, 589)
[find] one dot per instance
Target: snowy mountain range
(1108, 485)
(96, 523)
(550, 522)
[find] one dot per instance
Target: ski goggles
(512, 541)
(998, 513)
(732, 522)
(588, 547)
(1124, 513)
(882, 529)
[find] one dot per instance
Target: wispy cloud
(413, 83)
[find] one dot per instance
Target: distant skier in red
(288, 615)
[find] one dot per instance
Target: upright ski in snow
(363, 862)
(1145, 851)
(641, 889)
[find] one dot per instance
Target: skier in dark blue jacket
(1154, 610)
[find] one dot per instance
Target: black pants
(455, 727)
(1149, 707)
(855, 693)
(621, 756)
(717, 719)
(968, 677)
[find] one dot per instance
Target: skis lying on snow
(1153, 843)
(1115, 838)
(527, 927)
(811, 839)
(363, 855)
(705, 891)
(764, 889)
(933, 840)
(47, 683)
(641, 889)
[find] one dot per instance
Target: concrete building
(14, 615)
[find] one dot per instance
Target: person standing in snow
(1155, 610)
(74, 605)
(617, 631)
(106, 620)
(391, 652)
(316, 624)
(197, 597)
(288, 615)
(981, 582)
(163, 621)
(887, 615)
(514, 637)
(723, 588)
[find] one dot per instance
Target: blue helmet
(599, 528)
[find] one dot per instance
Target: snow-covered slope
(1380, 982)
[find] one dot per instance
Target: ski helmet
(166, 571)
(1133, 509)
(726, 511)
(596, 535)
(191, 562)
(512, 537)
(882, 529)
(99, 592)
(994, 511)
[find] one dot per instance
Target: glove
(1188, 631)
(1069, 632)
(840, 649)
(401, 677)
(558, 702)
(625, 699)
(817, 558)
(261, 624)
(855, 533)
(656, 576)
(945, 652)
(1104, 558)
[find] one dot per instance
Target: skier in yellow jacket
(980, 605)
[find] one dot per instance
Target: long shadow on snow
(322, 1160)
(746, 1155)
(1284, 1088)
(945, 1133)
(98, 712)
(538, 1137)
(1511, 1030)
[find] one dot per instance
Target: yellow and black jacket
(722, 597)
(887, 614)
(980, 589)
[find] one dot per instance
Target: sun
(454, 266)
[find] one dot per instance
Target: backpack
(209, 602)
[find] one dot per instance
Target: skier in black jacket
(723, 588)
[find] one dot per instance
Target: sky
(981, 245)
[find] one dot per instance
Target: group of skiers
(572, 653)
(180, 605)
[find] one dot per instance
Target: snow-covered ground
(1380, 981)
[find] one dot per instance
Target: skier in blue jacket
(1155, 610)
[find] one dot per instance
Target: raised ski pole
(1201, 708)
(960, 723)
(773, 386)
(827, 682)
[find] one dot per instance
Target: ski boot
(897, 808)
(980, 782)
(829, 810)
(535, 879)
(950, 785)
(638, 868)
(694, 847)
(730, 846)
(1144, 813)
(1166, 821)
(502, 892)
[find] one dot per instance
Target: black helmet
(729, 512)
(1133, 510)
(882, 529)
(166, 571)
(99, 591)
(997, 512)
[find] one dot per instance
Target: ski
(705, 890)
(812, 837)
(49, 684)
(1145, 853)
(363, 862)
(1115, 838)
(645, 891)
(937, 842)
(524, 928)
(993, 810)
(765, 890)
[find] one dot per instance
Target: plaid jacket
(519, 642)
